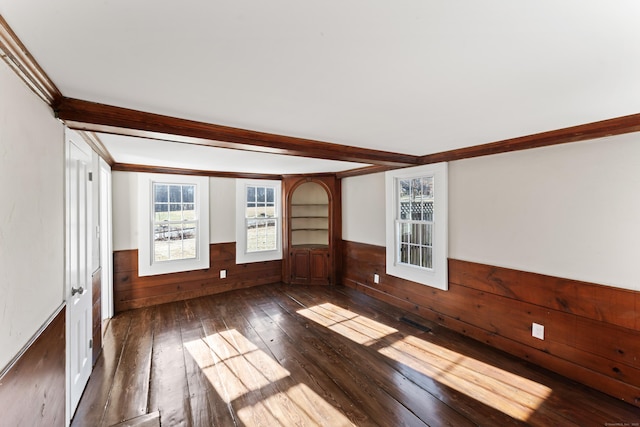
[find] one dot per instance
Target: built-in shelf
(309, 216)
(310, 250)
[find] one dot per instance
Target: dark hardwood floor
(290, 355)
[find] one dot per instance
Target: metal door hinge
(90, 176)
(91, 343)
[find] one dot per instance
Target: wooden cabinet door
(300, 266)
(319, 267)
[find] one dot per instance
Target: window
(174, 224)
(416, 200)
(258, 228)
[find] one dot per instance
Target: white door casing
(106, 239)
(78, 267)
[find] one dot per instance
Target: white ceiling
(412, 76)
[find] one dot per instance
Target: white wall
(222, 210)
(571, 210)
(363, 209)
(31, 214)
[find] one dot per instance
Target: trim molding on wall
(96, 144)
(33, 339)
(132, 291)
(592, 332)
(32, 387)
(25, 66)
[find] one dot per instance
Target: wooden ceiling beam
(129, 167)
(91, 116)
(584, 132)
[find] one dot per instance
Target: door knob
(79, 290)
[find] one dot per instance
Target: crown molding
(16, 55)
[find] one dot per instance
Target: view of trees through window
(261, 218)
(175, 222)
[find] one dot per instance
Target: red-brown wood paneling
(132, 291)
(592, 332)
(32, 391)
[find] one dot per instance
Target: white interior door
(78, 266)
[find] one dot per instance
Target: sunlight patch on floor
(233, 364)
(246, 378)
(299, 405)
(509, 393)
(357, 328)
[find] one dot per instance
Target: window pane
(404, 253)
(175, 212)
(414, 255)
(405, 193)
(270, 210)
(427, 257)
(427, 188)
(261, 194)
(175, 193)
(271, 198)
(189, 241)
(161, 212)
(188, 193)
(427, 234)
(405, 231)
(161, 193)
(251, 194)
(189, 211)
(415, 234)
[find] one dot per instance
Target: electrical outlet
(376, 278)
(537, 331)
(223, 274)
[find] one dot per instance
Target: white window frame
(242, 255)
(437, 276)
(146, 265)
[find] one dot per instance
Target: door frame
(106, 240)
(83, 146)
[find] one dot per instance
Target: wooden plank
(95, 398)
(168, 388)
(148, 420)
(208, 401)
(129, 395)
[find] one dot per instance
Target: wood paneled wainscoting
(132, 291)
(592, 332)
(32, 390)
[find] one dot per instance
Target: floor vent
(415, 324)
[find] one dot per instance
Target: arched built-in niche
(310, 215)
(311, 239)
